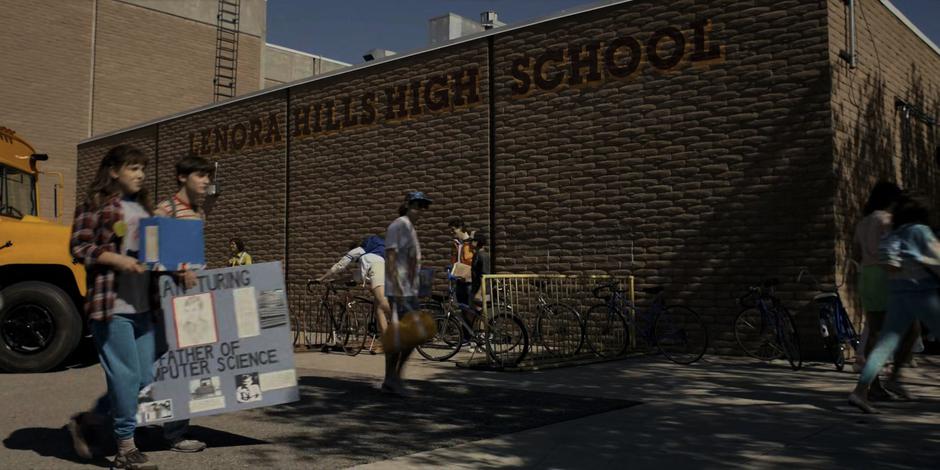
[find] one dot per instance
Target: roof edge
(315, 56)
(893, 9)
(461, 40)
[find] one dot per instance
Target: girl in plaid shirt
(119, 302)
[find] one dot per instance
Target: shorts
(376, 276)
(873, 288)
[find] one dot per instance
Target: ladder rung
(224, 2)
(231, 41)
(226, 67)
(226, 49)
(230, 12)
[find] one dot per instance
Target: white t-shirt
(402, 237)
(366, 262)
(133, 290)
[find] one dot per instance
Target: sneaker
(76, 430)
(897, 390)
(862, 404)
(187, 445)
(133, 460)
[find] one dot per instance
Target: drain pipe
(850, 56)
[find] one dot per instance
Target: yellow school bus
(41, 286)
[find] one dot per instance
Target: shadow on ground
(345, 422)
(56, 442)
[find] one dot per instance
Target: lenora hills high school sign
(576, 65)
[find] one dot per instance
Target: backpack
(374, 244)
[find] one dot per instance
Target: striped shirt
(176, 208)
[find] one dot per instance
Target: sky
(344, 30)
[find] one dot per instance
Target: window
(17, 193)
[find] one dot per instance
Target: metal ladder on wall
(226, 49)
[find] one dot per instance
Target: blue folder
(168, 244)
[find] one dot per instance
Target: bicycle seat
(653, 290)
(828, 288)
(824, 296)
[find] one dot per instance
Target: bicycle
(341, 318)
(505, 340)
(834, 324)
(677, 331)
(765, 330)
(558, 326)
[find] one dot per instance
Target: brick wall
(714, 176)
(702, 171)
(45, 84)
(252, 202)
(873, 140)
(143, 76)
(146, 64)
(348, 183)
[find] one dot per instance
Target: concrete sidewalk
(720, 413)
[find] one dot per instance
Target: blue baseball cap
(417, 196)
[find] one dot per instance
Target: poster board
(229, 345)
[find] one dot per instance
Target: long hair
(239, 244)
(882, 195)
(104, 187)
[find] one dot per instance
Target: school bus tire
(39, 326)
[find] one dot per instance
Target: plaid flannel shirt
(93, 235)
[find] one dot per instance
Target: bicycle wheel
(680, 334)
(346, 326)
(446, 343)
(359, 313)
(789, 340)
(317, 325)
(831, 339)
(506, 340)
(560, 330)
(756, 336)
(606, 331)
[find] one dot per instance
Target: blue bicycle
(834, 324)
(765, 329)
(676, 331)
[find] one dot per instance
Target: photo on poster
(278, 379)
(205, 387)
(272, 308)
(194, 317)
(246, 312)
(247, 388)
(151, 411)
(205, 394)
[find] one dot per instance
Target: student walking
(403, 263)
(370, 255)
(461, 259)
(118, 302)
(481, 266)
(873, 278)
(911, 253)
(193, 176)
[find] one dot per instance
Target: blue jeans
(125, 347)
(904, 307)
(173, 430)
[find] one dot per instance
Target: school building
(698, 144)
(78, 68)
